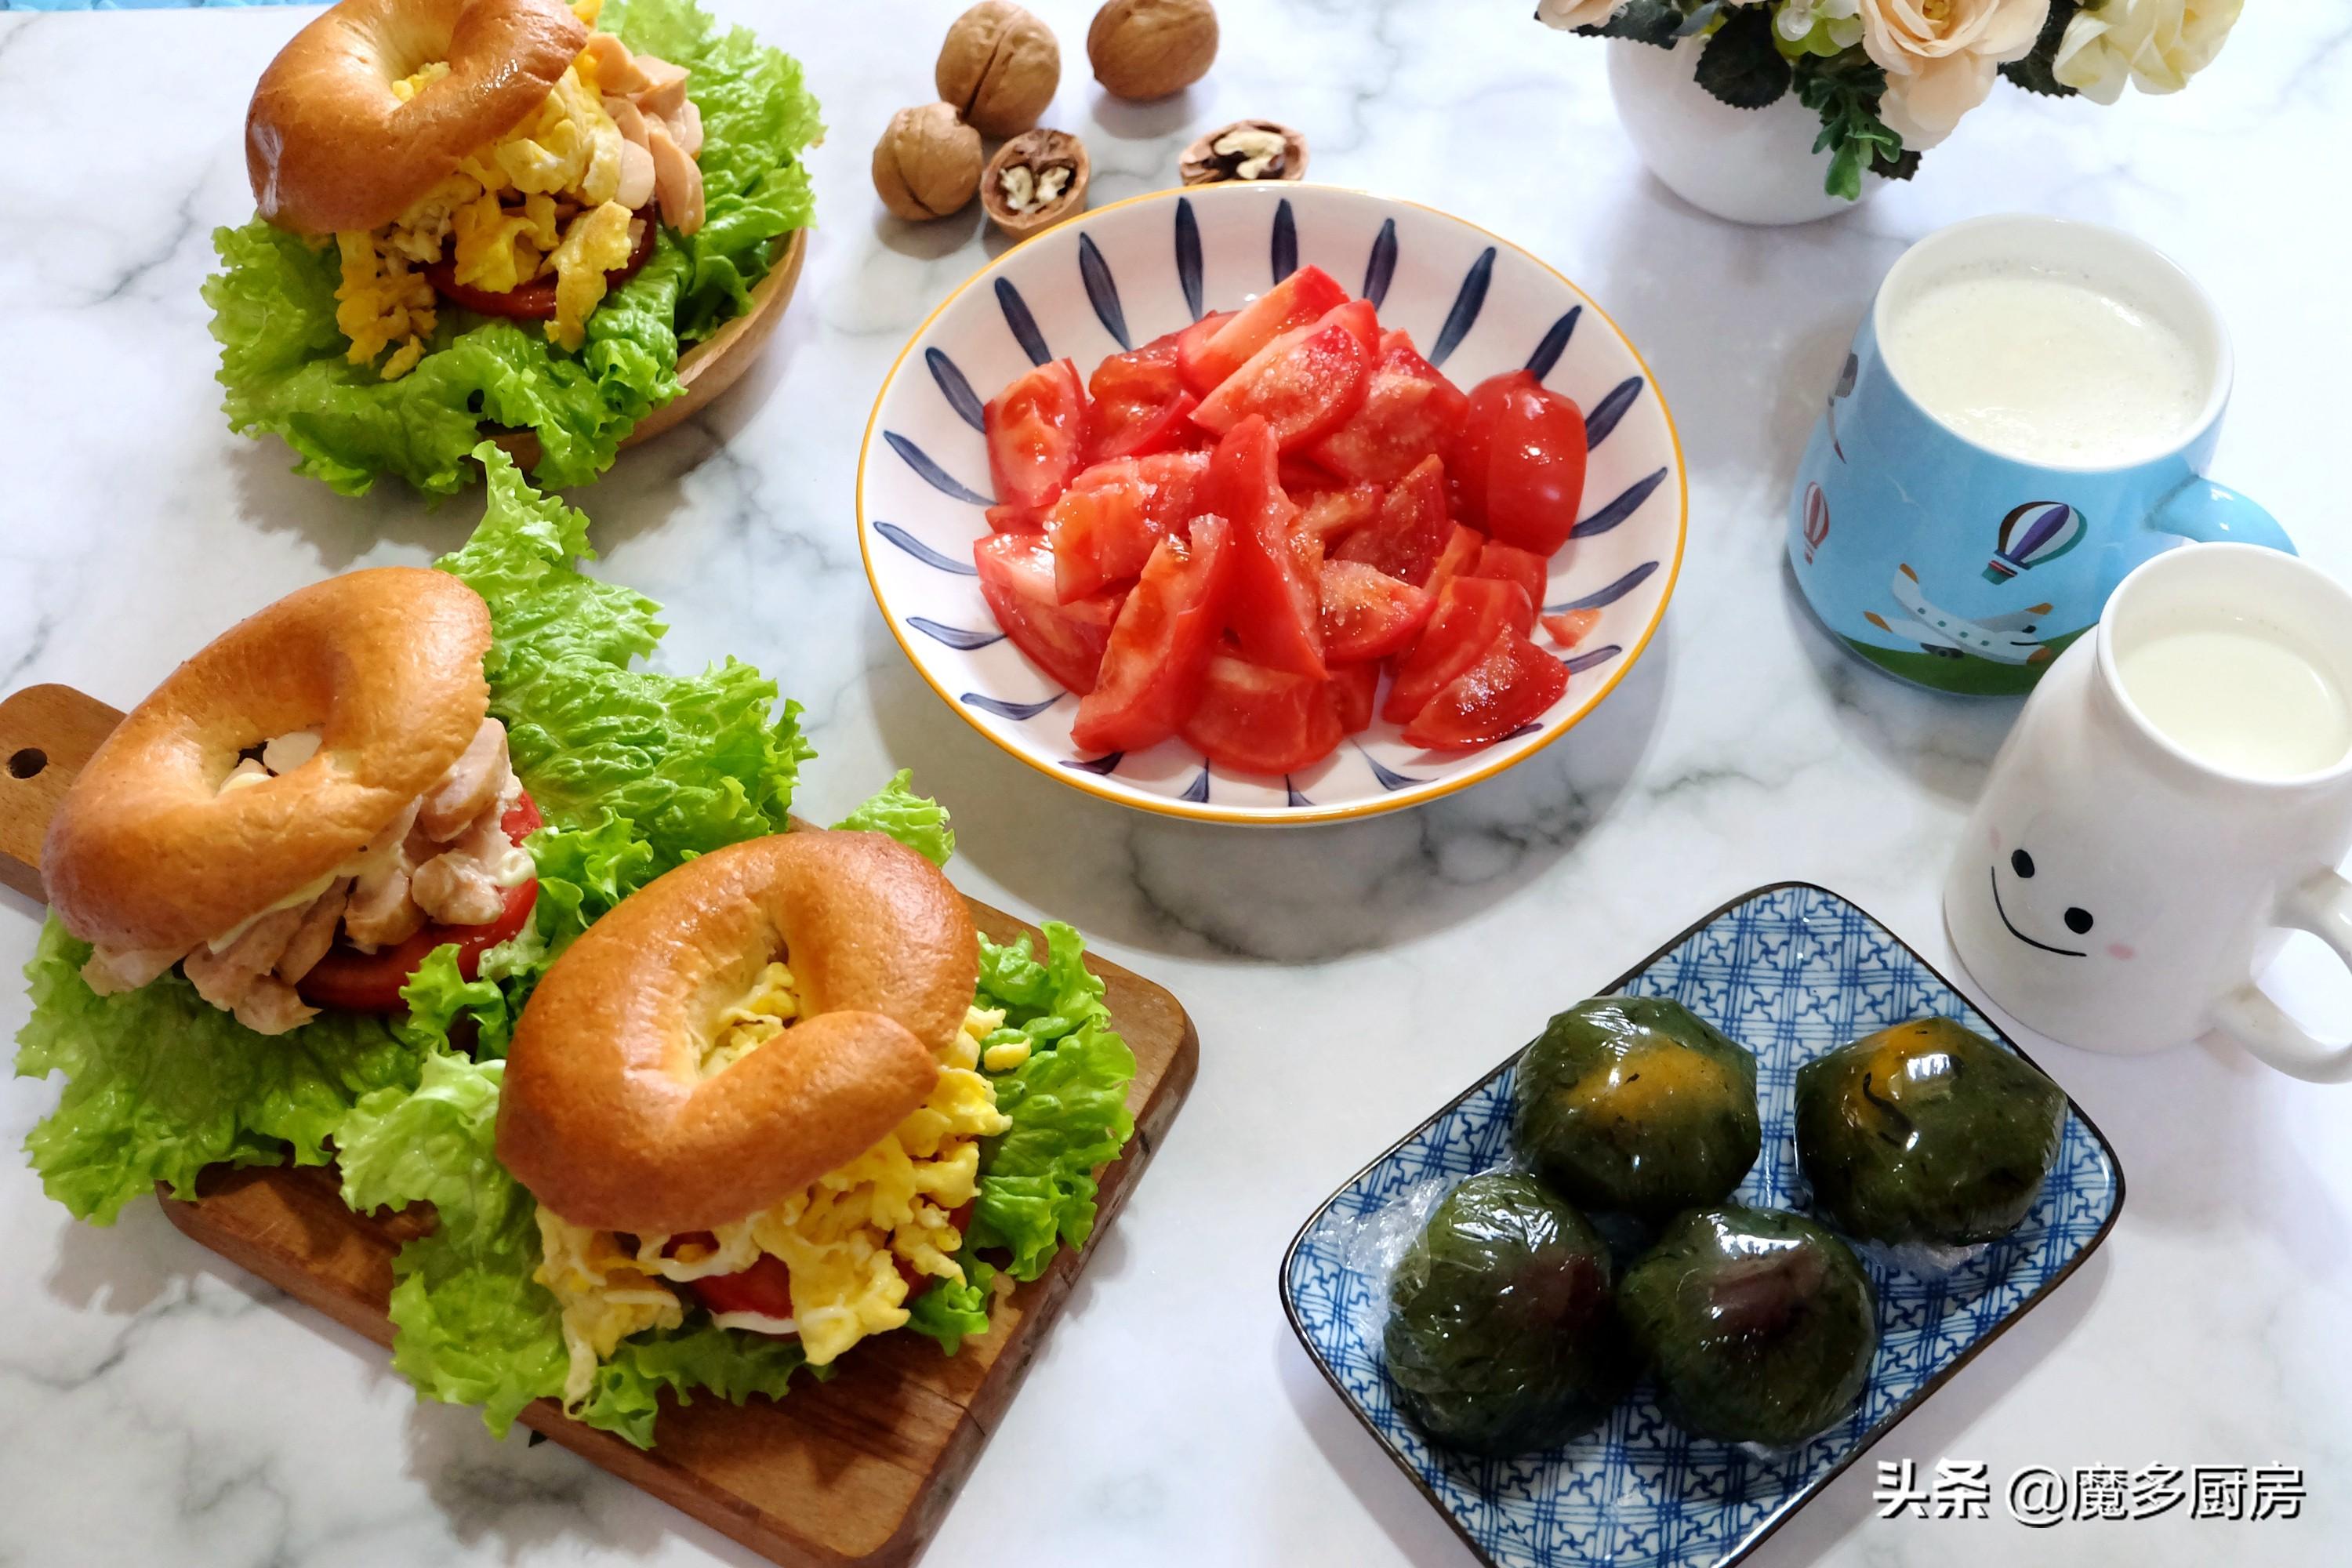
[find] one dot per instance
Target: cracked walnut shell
(999, 67)
(1150, 49)
(1245, 149)
(927, 164)
(1034, 181)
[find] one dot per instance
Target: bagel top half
(329, 146)
(384, 664)
(605, 1114)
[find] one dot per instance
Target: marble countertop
(162, 1406)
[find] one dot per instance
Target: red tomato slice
(1139, 403)
(1411, 531)
(1470, 613)
(1015, 520)
(1304, 383)
(1367, 613)
(1065, 641)
(1352, 687)
(1512, 683)
(355, 982)
(1277, 607)
(535, 301)
(765, 1287)
(1306, 295)
(1509, 563)
(1410, 412)
(1190, 344)
(1261, 720)
(1160, 644)
(1518, 463)
(1105, 523)
(1037, 427)
(1331, 515)
(1571, 626)
(1460, 555)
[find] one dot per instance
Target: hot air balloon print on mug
(2037, 531)
(1817, 520)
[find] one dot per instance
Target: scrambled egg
(538, 201)
(841, 1238)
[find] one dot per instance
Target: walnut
(927, 164)
(1034, 181)
(999, 67)
(1150, 49)
(1245, 149)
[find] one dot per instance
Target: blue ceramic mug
(1948, 562)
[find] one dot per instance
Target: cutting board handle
(46, 733)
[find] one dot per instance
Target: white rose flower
(1571, 14)
(1940, 56)
(2155, 45)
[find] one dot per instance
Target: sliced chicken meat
(316, 934)
(473, 782)
(114, 970)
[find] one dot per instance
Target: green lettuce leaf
(160, 1083)
(282, 364)
(918, 823)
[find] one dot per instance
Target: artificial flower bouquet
(1891, 78)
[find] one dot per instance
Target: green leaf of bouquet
(1739, 65)
(2035, 70)
(1655, 22)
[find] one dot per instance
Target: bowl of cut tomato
(1271, 504)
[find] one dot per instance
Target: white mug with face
(2177, 793)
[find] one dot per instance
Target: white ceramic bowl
(1123, 275)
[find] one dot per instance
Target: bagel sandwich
(505, 211)
(780, 1101)
(345, 832)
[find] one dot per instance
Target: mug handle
(2322, 906)
(2216, 514)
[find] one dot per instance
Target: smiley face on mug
(2035, 908)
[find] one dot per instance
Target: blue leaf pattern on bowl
(1103, 765)
(1188, 256)
(1003, 709)
(1024, 324)
(955, 388)
(1554, 342)
(1198, 789)
(1609, 596)
(1284, 255)
(1380, 268)
(954, 636)
(939, 479)
(1102, 292)
(1608, 410)
(1790, 972)
(924, 553)
(1578, 663)
(1467, 303)
(1618, 511)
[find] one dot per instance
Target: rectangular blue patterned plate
(1791, 972)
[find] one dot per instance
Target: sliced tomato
(1460, 555)
(1411, 531)
(1276, 613)
(765, 1287)
(1570, 626)
(1518, 463)
(1352, 687)
(1410, 412)
(1138, 403)
(1003, 518)
(1367, 613)
(353, 982)
(1306, 295)
(1262, 721)
(1469, 615)
(1105, 523)
(1330, 515)
(1191, 344)
(1036, 430)
(1065, 641)
(1304, 383)
(1160, 644)
(1512, 683)
(535, 301)
(1508, 564)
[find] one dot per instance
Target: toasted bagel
(605, 1115)
(330, 148)
(386, 664)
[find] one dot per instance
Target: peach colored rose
(1567, 14)
(2157, 45)
(1939, 54)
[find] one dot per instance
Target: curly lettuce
(282, 365)
(635, 771)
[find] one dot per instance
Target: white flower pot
(1749, 165)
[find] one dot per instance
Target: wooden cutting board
(860, 1469)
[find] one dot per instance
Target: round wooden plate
(711, 367)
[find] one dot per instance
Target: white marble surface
(159, 1406)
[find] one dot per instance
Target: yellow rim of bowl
(1277, 816)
